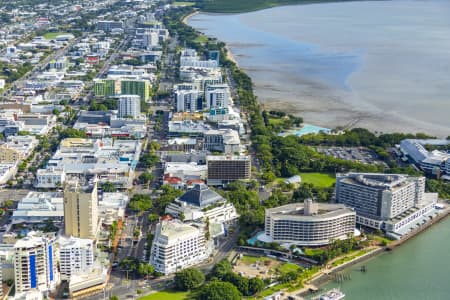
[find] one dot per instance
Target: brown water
(383, 65)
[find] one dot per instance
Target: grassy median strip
(172, 295)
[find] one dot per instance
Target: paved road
(122, 287)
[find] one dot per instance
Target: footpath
(327, 274)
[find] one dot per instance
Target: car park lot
(359, 154)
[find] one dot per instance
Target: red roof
(195, 181)
(166, 218)
(172, 180)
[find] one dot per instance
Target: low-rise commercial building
(202, 203)
(187, 128)
(17, 148)
(7, 172)
(222, 140)
(432, 162)
(108, 26)
(185, 171)
(112, 206)
(110, 160)
(50, 178)
(37, 207)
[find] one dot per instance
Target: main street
(122, 287)
(39, 67)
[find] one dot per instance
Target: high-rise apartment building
(80, 209)
(104, 87)
(76, 256)
(223, 169)
(188, 100)
(129, 106)
(107, 26)
(150, 39)
(35, 264)
(177, 246)
(217, 96)
(136, 87)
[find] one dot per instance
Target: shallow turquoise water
(307, 129)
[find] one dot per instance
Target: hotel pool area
(252, 241)
(260, 236)
(308, 128)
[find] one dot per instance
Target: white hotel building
(177, 246)
(309, 224)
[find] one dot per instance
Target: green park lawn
(276, 121)
(313, 251)
(201, 39)
(318, 179)
(272, 290)
(166, 295)
(53, 35)
(288, 267)
(350, 256)
(249, 260)
(381, 239)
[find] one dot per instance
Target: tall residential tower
(80, 209)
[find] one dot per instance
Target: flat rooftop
(228, 157)
(378, 181)
(295, 211)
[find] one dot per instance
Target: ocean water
(384, 65)
(417, 270)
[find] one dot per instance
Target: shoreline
(325, 277)
(322, 277)
(330, 108)
(230, 55)
(186, 18)
(273, 5)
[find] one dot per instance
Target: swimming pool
(308, 128)
(252, 241)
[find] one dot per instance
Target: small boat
(334, 294)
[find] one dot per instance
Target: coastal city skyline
(223, 150)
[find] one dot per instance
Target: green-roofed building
(136, 87)
(105, 87)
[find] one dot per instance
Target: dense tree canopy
(188, 279)
(140, 202)
(224, 272)
(217, 290)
